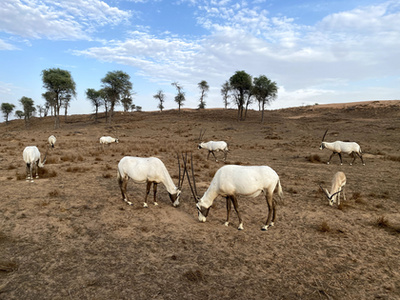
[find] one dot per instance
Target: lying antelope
(150, 170)
(339, 147)
(31, 156)
(231, 181)
(338, 183)
(212, 146)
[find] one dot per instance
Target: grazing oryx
(339, 147)
(107, 140)
(150, 170)
(338, 183)
(212, 146)
(52, 141)
(231, 181)
(31, 157)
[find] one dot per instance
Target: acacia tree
(126, 103)
(180, 97)
(19, 114)
(116, 85)
(241, 83)
(60, 83)
(7, 109)
(95, 97)
(161, 98)
(225, 89)
(29, 109)
(204, 88)
(265, 91)
(51, 101)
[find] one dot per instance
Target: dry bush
(393, 158)
(382, 222)
(54, 194)
(324, 227)
(11, 167)
(107, 175)
(52, 160)
(194, 276)
(76, 169)
(20, 176)
(314, 158)
(357, 198)
(45, 173)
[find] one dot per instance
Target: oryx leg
(330, 157)
(147, 193)
(271, 211)
(228, 209)
(36, 168)
(236, 207)
(225, 155)
(340, 156)
(123, 182)
(360, 156)
(28, 172)
(155, 193)
(214, 155)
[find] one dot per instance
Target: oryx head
(322, 146)
(331, 198)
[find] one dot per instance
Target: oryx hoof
(155, 203)
(226, 224)
(240, 227)
(327, 163)
(145, 205)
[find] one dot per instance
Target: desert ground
(69, 235)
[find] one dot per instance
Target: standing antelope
(212, 146)
(339, 147)
(150, 170)
(31, 157)
(338, 183)
(231, 181)
(107, 140)
(52, 140)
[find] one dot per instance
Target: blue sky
(316, 51)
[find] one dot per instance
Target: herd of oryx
(230, 181)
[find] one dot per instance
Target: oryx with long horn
(339, 147)
(338, 183)
(150, 170)
(231, 181)
(31, 156)
(212, 146)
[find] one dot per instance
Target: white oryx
(52, 141)
(108, 140)
(150, 170)
(212, 146)
(31, 157)
(231, 181)
(350, 148)
(338, 183)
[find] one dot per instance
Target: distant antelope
(107, 140)
(339, 147)
(31, 156)
(52, 141)
(212, 146)
(338, 183)
(231, 181)
(150, 170)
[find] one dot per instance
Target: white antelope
(108, 140)
(231, 181)
(150, 170)
(338, 183)
(350, 148)
(52, 141)
(212, 146)
(31, 157)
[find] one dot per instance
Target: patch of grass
(46, 173)
(324, 227)
(54, 194)
(314, 158)
(393, 157)
(76, 169)
(194, 276)
(20, 176)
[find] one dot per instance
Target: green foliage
(7, 108)
(180, 97)
(204, 88)
(265, 91)
(19, 114)
(241, 82)
(29, 108)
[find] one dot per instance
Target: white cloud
(6, 46)
(62, 20)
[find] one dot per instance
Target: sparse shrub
(54, 194)
(314, 158)
(76, 169)
(52, 160)
(324, 227)
(98, 159)
(107, 175)
(382, 222)
(393, 158)
(11, 167)
(194, 276)
(292, 190)
(46, 173)
(20, 176)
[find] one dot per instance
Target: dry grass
(324, 227)
(314, 158)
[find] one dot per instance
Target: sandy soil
(69, 235)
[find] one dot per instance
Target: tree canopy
(241, 83)
(7, 109)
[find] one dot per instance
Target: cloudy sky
(316, 51)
